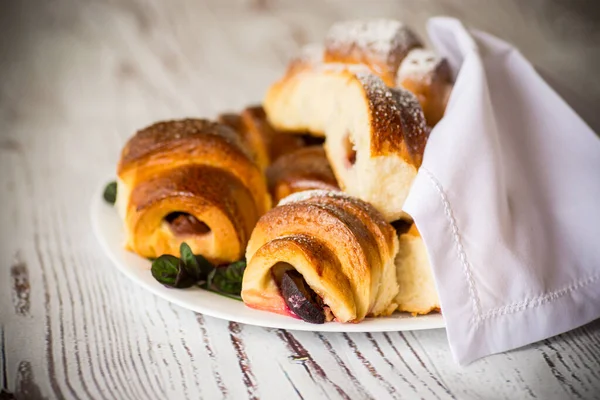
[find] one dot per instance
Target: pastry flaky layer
(265, 143)
(375, 135)
(304, 169)
(190, 180)
(417, 294)
(342, 246)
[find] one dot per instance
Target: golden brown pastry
(190, 180)
(266, 143)
(319, 256)
(256, 140)
(375, 135)
(389, 50)
(283, 143)
(304, 169)
(428, 76)
(380, 44)
(417, 293)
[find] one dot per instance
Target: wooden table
(77, 78)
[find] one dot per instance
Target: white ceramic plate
(108, 229)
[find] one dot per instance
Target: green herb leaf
(110, 193)
(196, 265)
(227, 280)
(209, 279)
(205, 266)
(165, 269)
(189, 261)
(170, 271)
(184, 280)
(234, 272)
(226, 286)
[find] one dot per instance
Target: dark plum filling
(300, 298)
(184, 224)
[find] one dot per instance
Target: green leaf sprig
(192, 269)
(197, 266)
(227, 280)
(170, 271)
(110, 193)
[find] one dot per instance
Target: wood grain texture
(79, 77)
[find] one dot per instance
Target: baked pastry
(266, 144)
(390, 50)
(428, 77)
(322, 255)
(380, 44)
(304, 169)
(190, 180)
(251, 133)
(208, 208)
(417, 294)
(375, 135)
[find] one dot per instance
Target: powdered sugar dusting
(379, 93)
(301, 196)
(418, 64)
(408, 101)
(398, 113)
(374, 84)
(309, 194)
(382, 37)
(413, 120)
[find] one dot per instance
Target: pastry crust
(341, 245)
(375, 136)
(304, 169)
(255, 137)
(417, 294)
(380, 44)
(389, 50)
(195, 168)
(211, 195)
(429, 78)
(266, 144)
(171, 144)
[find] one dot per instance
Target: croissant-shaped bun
(190, 180)
(254, 137)
(265, 143)
(417, 294)
(303, 169)
(380, 44)
(428, 77)
(322, 255)
(375, 135)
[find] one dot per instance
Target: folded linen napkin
(507, 201)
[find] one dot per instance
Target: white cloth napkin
(507, 201)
